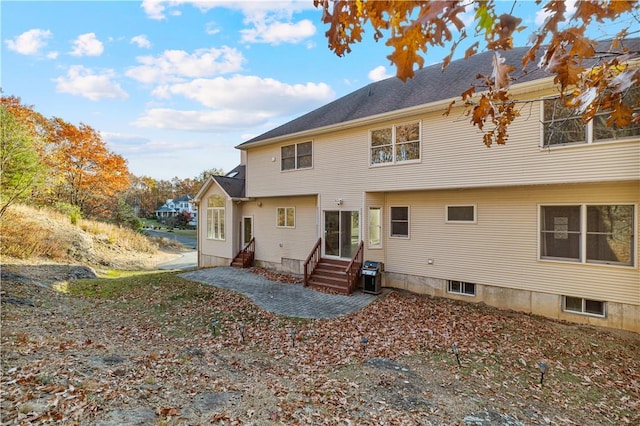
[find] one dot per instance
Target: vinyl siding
(274, 243)
(501, 249)
(452, 156)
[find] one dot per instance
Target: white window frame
(216, 226)
(394, 144)
(583, 310)
(379, 226)
(583, 234)
(589, 138)
(391, 234)
(296, 157)
(475, 213)
(286, 216)
(463, 286)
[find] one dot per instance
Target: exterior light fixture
(543, 369)
(214, 325)
(456, 352)
(241, 331)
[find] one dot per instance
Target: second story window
(296, 156)
(563, 125)
(395, 144)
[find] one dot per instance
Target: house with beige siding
(546, 224)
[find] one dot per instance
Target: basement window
(461, 287)
(579, 305)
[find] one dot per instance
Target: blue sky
(173, 86)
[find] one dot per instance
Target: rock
(138, 417)
(16, 301)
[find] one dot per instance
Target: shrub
(72, 211)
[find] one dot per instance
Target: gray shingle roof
(429, 85)
(233, 186)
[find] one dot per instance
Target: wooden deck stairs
(244, 258)
(330, 274)
(340, 276)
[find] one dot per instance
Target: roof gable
(233, 183)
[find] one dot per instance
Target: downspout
(197, 203)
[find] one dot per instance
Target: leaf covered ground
(144, 350)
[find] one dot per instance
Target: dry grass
(29, 233)
(124, 237)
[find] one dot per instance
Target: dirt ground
(151, 355)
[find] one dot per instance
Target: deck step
(330, 274)
(242, 260)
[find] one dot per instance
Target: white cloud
(87, 45)
(174, 65)
(156, 9)
(129, 144)
(141, 41)
(29, 42)
(268, 21)
(239, 102)
(81, 81)
(251, 94)
(218, 120)
(542, 15)
(212, 28)
(278, 32)
(53, 55)
(379, 73)
(153, 9)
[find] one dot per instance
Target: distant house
(173, 207)
(547, 224)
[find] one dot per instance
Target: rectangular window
(407, 140)
(588, 233)
(400, 221)
(563, 125)
(395, 144)
(610, 234)
(461, 287)
(375, 227)
(296, 156)
(584, 306)
(286, 217)
(602, 132)
(461, 214)
(215, 217)
(304, 155)
(381, 146)
(560, 232)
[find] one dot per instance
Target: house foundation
(618, 315)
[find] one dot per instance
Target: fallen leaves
(152, 346)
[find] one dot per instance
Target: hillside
(33, 236)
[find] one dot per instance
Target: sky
(174, 85)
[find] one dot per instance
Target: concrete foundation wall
(618, 315)
(208, 261)
(287, 266)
